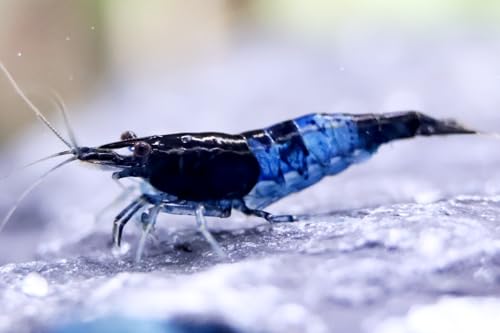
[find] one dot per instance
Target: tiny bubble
(92, 28)
(68, 38)
(35, 285)
(70, 77)
(341, 68)
(19, 54)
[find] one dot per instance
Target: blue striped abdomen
(298, 153)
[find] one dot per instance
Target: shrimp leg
(149, 219)
(240, 205)
(202, 227)
(123, 217)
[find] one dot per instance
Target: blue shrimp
(210, 174)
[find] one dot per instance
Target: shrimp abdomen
(297, 153)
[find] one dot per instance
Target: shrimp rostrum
(211, 174)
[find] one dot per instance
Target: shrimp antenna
(33, 107)
(489, 134)
(31, 188)
(43, 159)
(64, 110)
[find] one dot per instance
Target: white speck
(19, 54)
(469, 315)
(341, 68)
(395, 237)
(119, 251)
(70, 77)
(92, 28)
(427, 197)
(68, 38)
(35, 285)
(186, 138)
(430, 244)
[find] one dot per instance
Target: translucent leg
(150, 220)
(202, 227)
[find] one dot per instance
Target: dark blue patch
(330, 139)
(298, 153)
(267, 154)
(291, 148)
(128, 325)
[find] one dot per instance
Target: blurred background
(78, 47)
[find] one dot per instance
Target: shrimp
(212, 174)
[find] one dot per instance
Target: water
(397, 244)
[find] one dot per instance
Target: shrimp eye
(142, 149)
(128, 135)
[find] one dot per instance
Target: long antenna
(43, 159)
(490, 134)
(37, 112)
(31, 188)
(62, 107)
